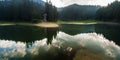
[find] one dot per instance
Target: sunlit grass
(78, 22)
(86, 22)
(58, 22)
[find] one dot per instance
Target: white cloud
(92, 41)
(62, 3)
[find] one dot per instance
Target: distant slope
(77, 12)
(40, 2)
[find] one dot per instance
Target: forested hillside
(24, 10)
(109, 13)
(30, 10)
(78, 12)
(85, 12)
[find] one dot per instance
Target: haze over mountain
(40, 2)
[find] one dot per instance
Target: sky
(63, 3)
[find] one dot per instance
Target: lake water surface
(67, 42)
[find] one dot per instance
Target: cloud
(62, 3)
(12, 48)
(87, 2)
(92, 41)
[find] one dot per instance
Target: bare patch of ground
(47, 25)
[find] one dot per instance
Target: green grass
(85, 21)
(58, 22)
(78, 22)
(14, 23)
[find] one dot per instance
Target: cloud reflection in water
(12, 49)
(65, 42)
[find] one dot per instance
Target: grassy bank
(57, 23)
(80, 21)
(86, 22)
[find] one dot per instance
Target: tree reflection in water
(50, 33)
(26, 34)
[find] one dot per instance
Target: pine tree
(51, 11)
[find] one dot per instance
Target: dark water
(67, 42)
(111, 32)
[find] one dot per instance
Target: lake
(67, 42)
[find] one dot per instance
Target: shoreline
(88, 23)
(55, 24)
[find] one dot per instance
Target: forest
(77, 12)
(31, 10)
(26, 10)
(109, 13)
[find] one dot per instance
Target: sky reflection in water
(62, 44)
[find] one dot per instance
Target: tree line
(86, 12)
(109, 13)
(51, 12)
(23, 10)
(28, 10)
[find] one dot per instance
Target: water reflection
(110, 31)
(50, 33)
(26, 33)
(73, 29)
(74, 43)
(62, 47)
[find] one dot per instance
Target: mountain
(77, 12)
(40, 2)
